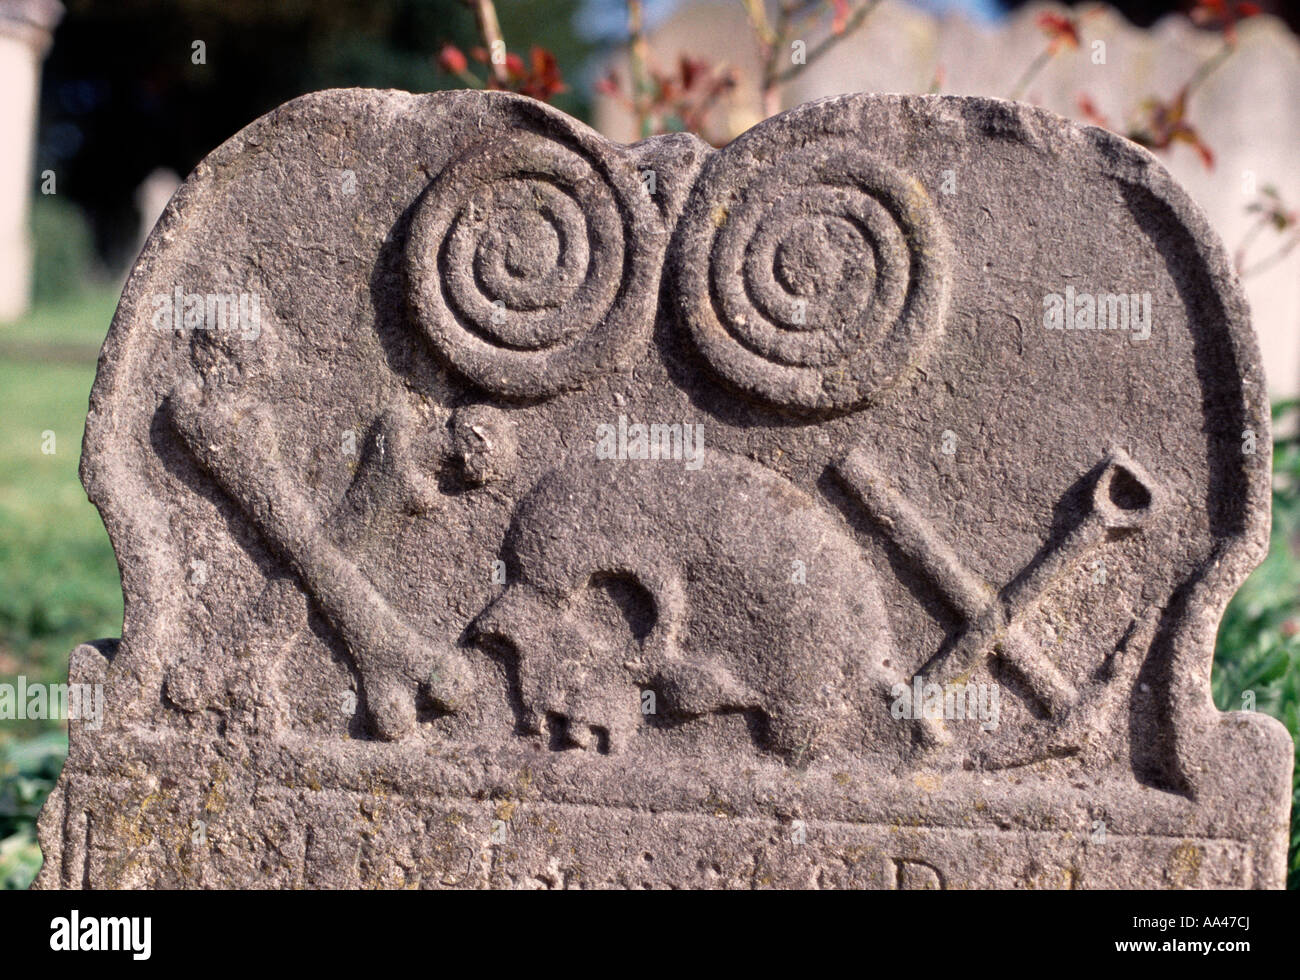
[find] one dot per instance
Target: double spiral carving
(533, 263)
(810, 276)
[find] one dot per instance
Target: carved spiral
(533, 264)
(810, 276)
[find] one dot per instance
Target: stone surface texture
(393, 619)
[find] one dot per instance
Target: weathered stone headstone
(498, 506)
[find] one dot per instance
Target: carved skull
(808, 650)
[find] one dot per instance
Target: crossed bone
(1122, 499)
(236, 443)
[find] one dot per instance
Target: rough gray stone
(562, 513)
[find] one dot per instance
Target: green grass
(78, 324)
(59, 584)
(28, 769)
(1257, 655)
(58, 579)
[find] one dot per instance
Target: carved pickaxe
(1122, 499)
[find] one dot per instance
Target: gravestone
(498, 506)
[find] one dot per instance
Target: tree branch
(489, 28)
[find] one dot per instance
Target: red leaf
(1061, 31)
(452, 60)
(840, 16)
(609, 85)
(1223, 15)
(1088, 109)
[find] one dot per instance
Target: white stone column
(26, 29)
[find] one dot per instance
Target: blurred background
(109, 104)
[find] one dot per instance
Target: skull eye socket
(619, 604)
